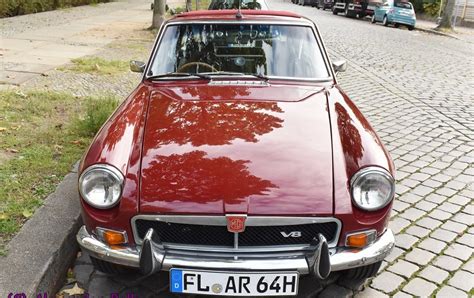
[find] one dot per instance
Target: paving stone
(439, 214)
(462, 280)
(370, 293)
(449, 207)
(422, 190)
(401, 294)
(435, 274)
(459, 251)
(387, 282)
(466, 239)
(398, 224)
(417, 231)
(428, 223)
(353, 284)
(419, 256)
(436, 198)
(101, 285)
(425, 205)
(463, 218)
(400, 205)
(444, 235)
(412, 214)
(454, 226)
(469, 266)
(335, 291)
(455, 185)
(403, 268)
(394, 254)
(459, 200)
(450, 292)
(441, 178)
(419, 176)
(432, 245)
(448, 263)
(419, 287)
(405, 241)
(447, 192)
(410, 198)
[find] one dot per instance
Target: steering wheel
(198, 64)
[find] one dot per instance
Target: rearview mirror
(339, 66)
(137, 66)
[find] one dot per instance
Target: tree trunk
(447, 16)
(189, 5)
(159, 10)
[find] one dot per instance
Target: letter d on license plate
(234, 283)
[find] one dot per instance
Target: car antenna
(239, 13)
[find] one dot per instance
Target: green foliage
(9, 8)
(98, 66)
(432, 8)
(418, 5)
(98, 110)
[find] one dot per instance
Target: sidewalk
(30, 53)
(462, 33)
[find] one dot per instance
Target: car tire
(411, 28)
(372, 20)
(363, 272)
(385, 21)
(396, 25)
(109, 268)
(347, 13)
(334, 10)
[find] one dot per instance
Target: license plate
(234, 283)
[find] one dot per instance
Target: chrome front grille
(199, 232)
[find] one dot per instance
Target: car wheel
(396, 25)
(334, 10)
(385, 21)
(410, 28)
(363, 272)
(373, 19)
(109, 268)
(347, 13)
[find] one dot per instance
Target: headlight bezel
(109, 169)
(364, 172)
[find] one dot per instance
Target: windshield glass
(234, 4)
(270, 50)
(402, 4)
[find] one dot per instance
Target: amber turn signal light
(111, 237)
(361, 239)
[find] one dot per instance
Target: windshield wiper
(179, 75)
(231, 73)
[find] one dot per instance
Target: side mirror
(137, 66)
(339, 66)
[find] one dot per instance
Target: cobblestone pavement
(417, 91)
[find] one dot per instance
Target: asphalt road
(416, 89)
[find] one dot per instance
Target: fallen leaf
(11, 150)
(73, 291)
(97, 66)
(27, 213)
(3, 128)
(3, 216)
(76, 142)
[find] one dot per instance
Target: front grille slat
(253, 236)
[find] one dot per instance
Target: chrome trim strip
(341, 259)
(220, 220)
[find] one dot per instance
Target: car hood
(239, 149)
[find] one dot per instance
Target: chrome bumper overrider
(154, 257)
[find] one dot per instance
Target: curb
(39, 256)
(432, 31)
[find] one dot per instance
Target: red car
(238, 163)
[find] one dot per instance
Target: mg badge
(236, 223)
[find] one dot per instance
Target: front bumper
(303, 262)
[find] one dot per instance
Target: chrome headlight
(372, 188)
(101, 186)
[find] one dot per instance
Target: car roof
(247, 14)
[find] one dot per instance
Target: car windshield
(402, 4)
(266, 50)
(234, 4)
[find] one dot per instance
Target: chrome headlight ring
(101, 186)
(372, 188)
